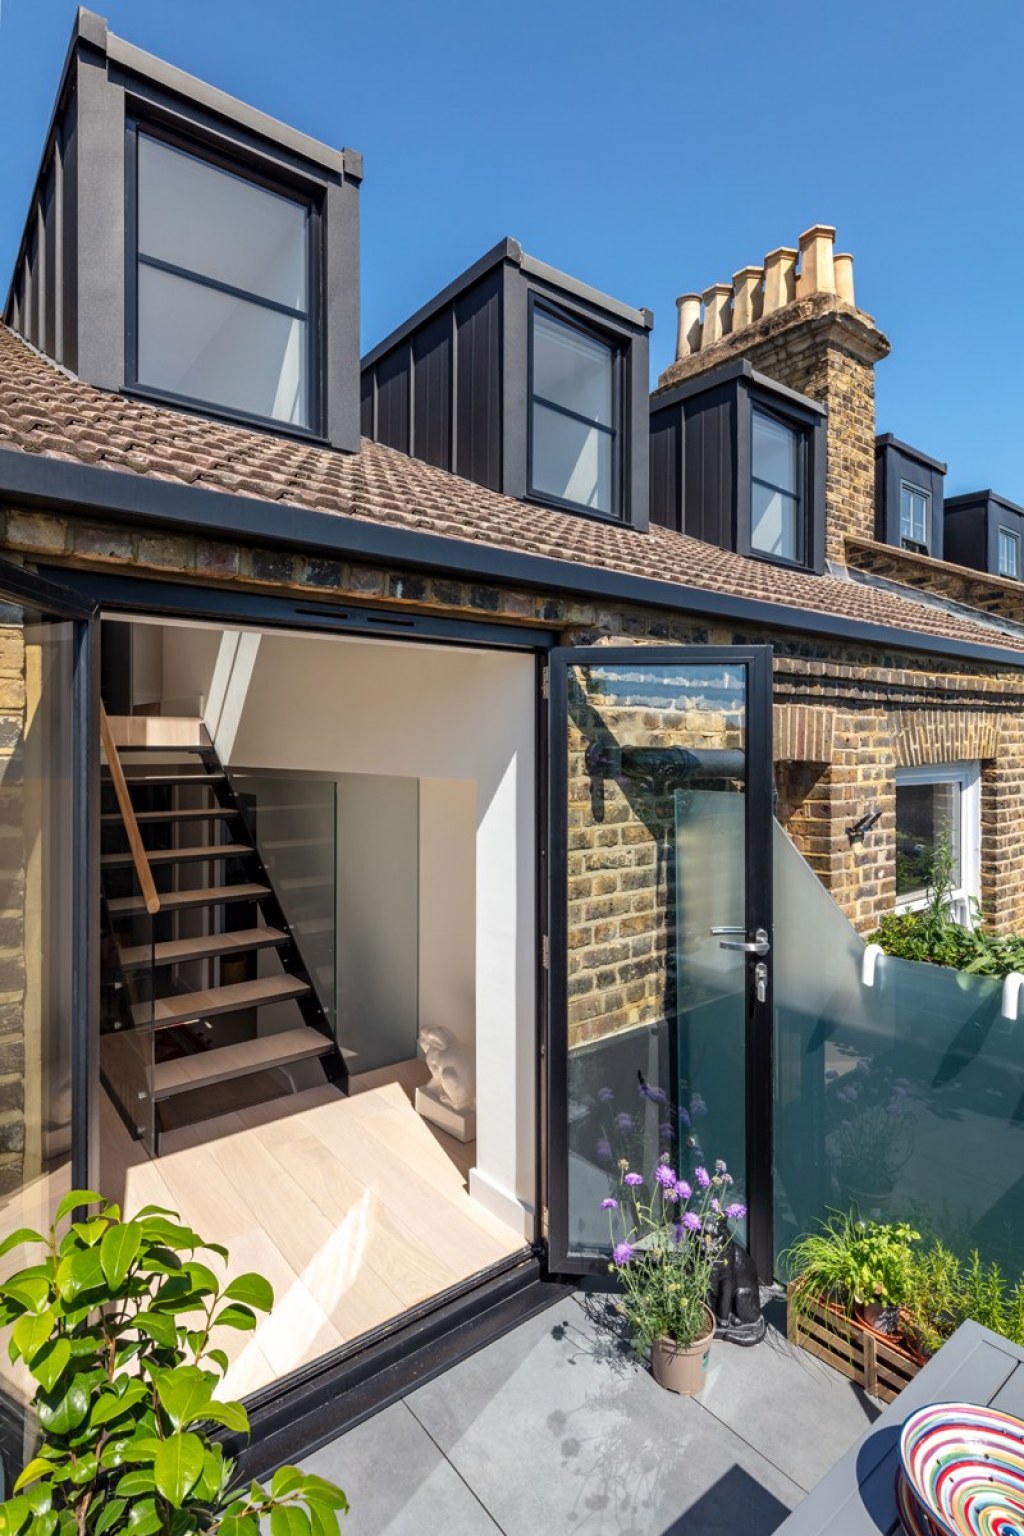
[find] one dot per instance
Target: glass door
(660, 931)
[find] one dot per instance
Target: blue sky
(647, 149)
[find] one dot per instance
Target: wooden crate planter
(880, 1367)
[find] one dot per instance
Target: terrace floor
(557, 1428)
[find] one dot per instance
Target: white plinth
(460, 1123)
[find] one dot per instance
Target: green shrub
(114, 1324)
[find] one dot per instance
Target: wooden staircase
(191, 918)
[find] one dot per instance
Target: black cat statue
(735, 1296)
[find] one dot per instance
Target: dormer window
(222, 310)
(776, 495)
(915, 518)
(574, 415)
(1009, 554)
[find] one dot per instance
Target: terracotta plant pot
(885, 1321)
(681, 1367)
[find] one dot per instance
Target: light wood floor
(354, 1208)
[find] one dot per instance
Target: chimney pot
(843, 265)
(817, 269)
(716, 312)
(779, 278)
(687, 325)
(746, 296)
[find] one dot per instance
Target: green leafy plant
(932, 935)
(114, 1323)
(851, 1263)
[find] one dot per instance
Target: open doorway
(335, 1078)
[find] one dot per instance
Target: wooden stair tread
(166, 733)
(204, 947)
(193, 852)
(176, 1009)
(170, 778)
(266, 1051)
(207, 813)
(174, 901)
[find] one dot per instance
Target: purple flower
(678, 1232)
(656, 1095)
(736, 1212)
(720, 1167)
(702, 1177)
(609, 1204)
(665, 1176)
(604, 1150)
(605, 1095)
(683, 1190)
(716, 1207)
(684, 1118)
(691, 1222)
(622, 1253)
(624, 1122)
(667, 1130)
(633, 1179)
(697, 1105)
(863, 1068)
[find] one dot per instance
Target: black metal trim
(133, 594)
(304, 1411)
(757, 662)
(84, 875)
(760, 1030)
(49, 593)
(39, 481)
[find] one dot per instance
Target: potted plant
(862, 1267)
(664, 1249)
(114, 1323)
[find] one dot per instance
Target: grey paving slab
(397, 1481)
(557, 1428)
(794, 1409)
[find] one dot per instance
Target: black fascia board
(33, 480)
(511, 251)
(740, 368)
(975, 498)
(37, 591)
(887, 440)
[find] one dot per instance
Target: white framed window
(935, 804)
(1009, 553)
(915, 516)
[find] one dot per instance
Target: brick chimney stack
(794, 319)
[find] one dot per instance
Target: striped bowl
(966, 1466)
(912, 1517)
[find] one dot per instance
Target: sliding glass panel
(655, 919)
(37, 661)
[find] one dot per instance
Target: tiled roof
(43, 410)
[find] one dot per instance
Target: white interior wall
(189, 658)
(444, 714)
(447, 903)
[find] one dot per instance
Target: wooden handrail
(131, 826)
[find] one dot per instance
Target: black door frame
(58, 600)
(757, 662)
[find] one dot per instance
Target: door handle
(758, 945)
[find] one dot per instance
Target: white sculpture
(451, 1067)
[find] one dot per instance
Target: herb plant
(852, 1263)
(114, 1323)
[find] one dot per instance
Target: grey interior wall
(378, 919)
